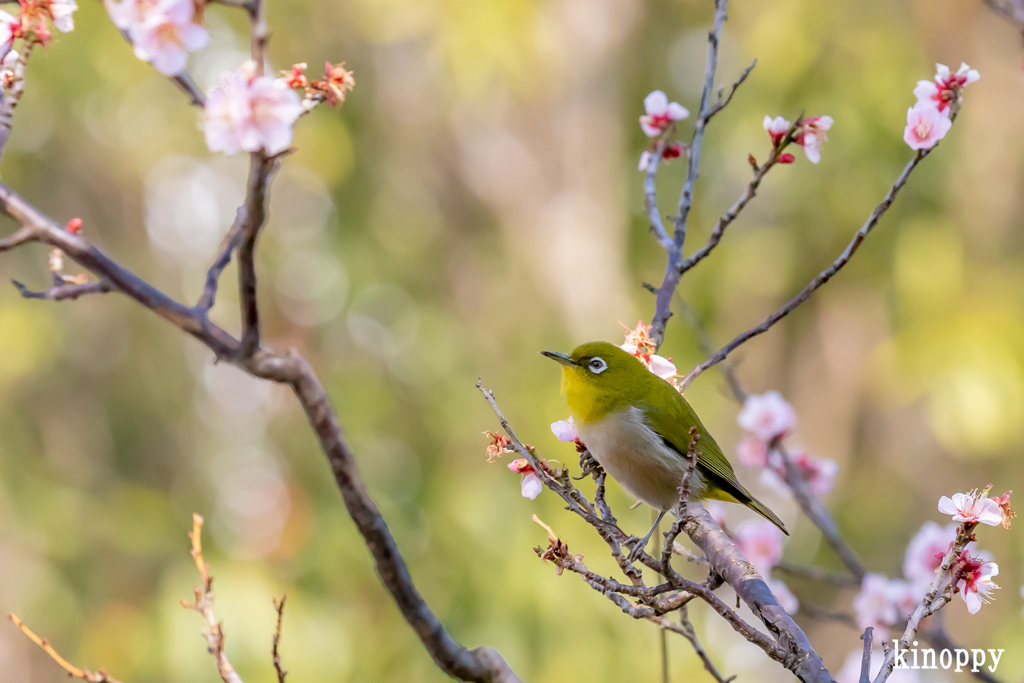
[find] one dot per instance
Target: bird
(636, 425)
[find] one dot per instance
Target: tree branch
(72, 670)
(482, 665)
(64, 292)
(674, 259)
(257, 197)
(819, 280)
(275, 656)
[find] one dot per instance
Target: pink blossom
(974, 581)
(61, 12)
(812, 135)
(875, 605)
(752, 452)
(946, 86)
(8, 26)
(251, 112)
(760, 541)
(905, 597)
(925, 552)
(530, 485)
(166, 34)
(767, 416)
(777, 128)
(662, 367)
(818, 473)
(926, 125)
(786, 158)
(565, 430)
(660, 113)
(786, 599)
(972, 507)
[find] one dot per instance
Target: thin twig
(748, 194)
(279, 607)
(213, 632)
(72, 670)
(257, 198)
(65, 292)
(227, 247)
(680, 511)
(674, 249)
(722, 104)
(189, 87)
(819, 280)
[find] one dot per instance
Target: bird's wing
(673, 420)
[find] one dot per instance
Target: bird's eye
(597, 365)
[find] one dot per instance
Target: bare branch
(227, 247)
(675, 249)
(213, 632)
(865, 662)
(73, 671)
(818, 574)
(722, 104)
(279, 607)
(819, 280)
(482, 665)
(64, 292)
(257, 197)
(189, 87)
(816, 512)
(748, 193)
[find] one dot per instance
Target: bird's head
(598, 377)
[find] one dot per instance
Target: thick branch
(727, 561)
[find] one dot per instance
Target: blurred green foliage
(475, 201)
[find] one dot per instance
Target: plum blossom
(875, 605)
(818, 473)
(565, 430)
(251, 112)
(162, 32)
(926, 125)
(530, 485)
(946, 86)
(972, 508)
(61, 12)
(786, 599)
(812, 135)
(8, 26)
(760, 541)
(777, 128)
(752, 452)
(639, 344)
(671, 151)
(925, 552)
(767, 416)
(660, 114)
(786, 158)
(974, 581)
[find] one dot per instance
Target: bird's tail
(761, 509)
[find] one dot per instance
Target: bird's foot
(636, 547)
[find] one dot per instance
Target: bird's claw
(636, 547)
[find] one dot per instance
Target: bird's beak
(563, 358)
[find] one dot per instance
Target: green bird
(637, 427)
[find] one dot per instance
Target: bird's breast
(636, 456)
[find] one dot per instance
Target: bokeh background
(474, 202)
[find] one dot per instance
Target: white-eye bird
(637, 427)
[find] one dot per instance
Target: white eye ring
(597, 365)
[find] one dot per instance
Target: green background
(474, 202)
